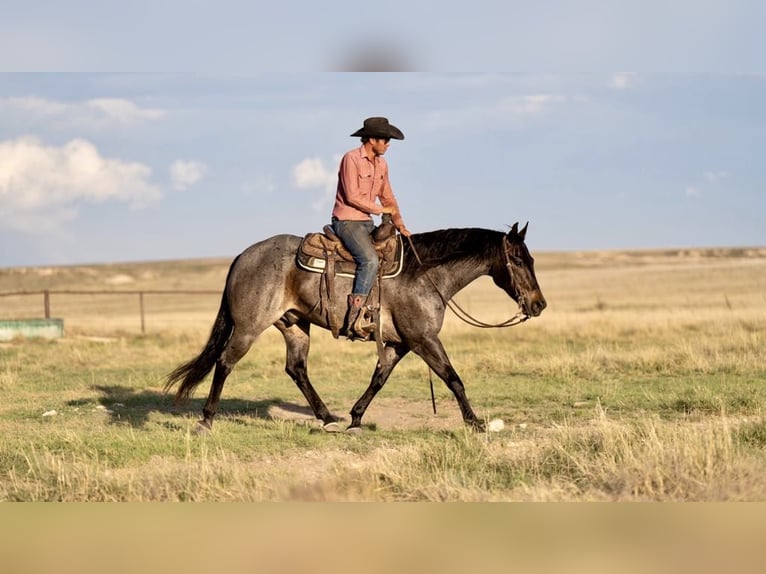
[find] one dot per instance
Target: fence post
(141, 304)
(47, 303)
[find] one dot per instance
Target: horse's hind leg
(236, 348)
(392, 355)
(297, 340)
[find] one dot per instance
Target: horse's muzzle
(536, 307)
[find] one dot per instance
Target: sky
(113, 167)
(690, 36)
(177, 129)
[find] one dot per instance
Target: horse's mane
(447, 245)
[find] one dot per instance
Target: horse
(265, 287)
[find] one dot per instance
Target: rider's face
(380, 145)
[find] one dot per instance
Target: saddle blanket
(314, 248)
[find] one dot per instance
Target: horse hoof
(477, 426)
(354, 430)
(331, 427)
(202, 428)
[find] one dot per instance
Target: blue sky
(134, 167)
(687, 36)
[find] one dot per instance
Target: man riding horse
(363, 179)
(267, 285)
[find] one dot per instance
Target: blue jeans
(355, 236)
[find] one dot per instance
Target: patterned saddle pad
(315, 248)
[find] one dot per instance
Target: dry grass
(641, 381)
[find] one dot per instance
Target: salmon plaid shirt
(362, 181)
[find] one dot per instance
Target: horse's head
(516, 274)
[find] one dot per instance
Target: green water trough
(45, 328)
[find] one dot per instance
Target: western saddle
(324, 253)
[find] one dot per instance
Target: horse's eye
(517, 261)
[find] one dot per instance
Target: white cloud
(711, 179)
(99, 111)
(33, 105)
(522, 106)
(122, 110)
(312, 174)
(42, 186)
(504, 112)
(715, 176)
(184, 174)
(623, 80)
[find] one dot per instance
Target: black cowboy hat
(378, 128)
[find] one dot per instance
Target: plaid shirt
(362, 181)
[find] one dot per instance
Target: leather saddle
(324, 252)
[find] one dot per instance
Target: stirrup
(361, 330)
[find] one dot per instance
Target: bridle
(461, 313)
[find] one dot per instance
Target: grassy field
(643, 380)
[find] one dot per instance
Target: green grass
(616, 394)
(116, 436)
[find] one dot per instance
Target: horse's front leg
(432, 352)
(392, 354)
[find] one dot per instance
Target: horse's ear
(515, 230)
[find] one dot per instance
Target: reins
(462, 314)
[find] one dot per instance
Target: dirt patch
(386, 413)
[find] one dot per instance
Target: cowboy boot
(357, 324)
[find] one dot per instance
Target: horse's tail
(192, 373)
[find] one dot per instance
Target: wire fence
(103, 311)
(60, 303)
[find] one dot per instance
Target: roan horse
(265, 287)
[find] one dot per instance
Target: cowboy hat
(378, 128)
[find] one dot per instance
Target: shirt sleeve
(352, 193)
(387, 199)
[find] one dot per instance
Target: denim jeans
(355, 236)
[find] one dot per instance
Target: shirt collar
(363, 155)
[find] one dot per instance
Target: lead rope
(462, 314)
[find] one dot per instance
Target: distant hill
(210, 273)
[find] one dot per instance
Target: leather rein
(461, 313)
